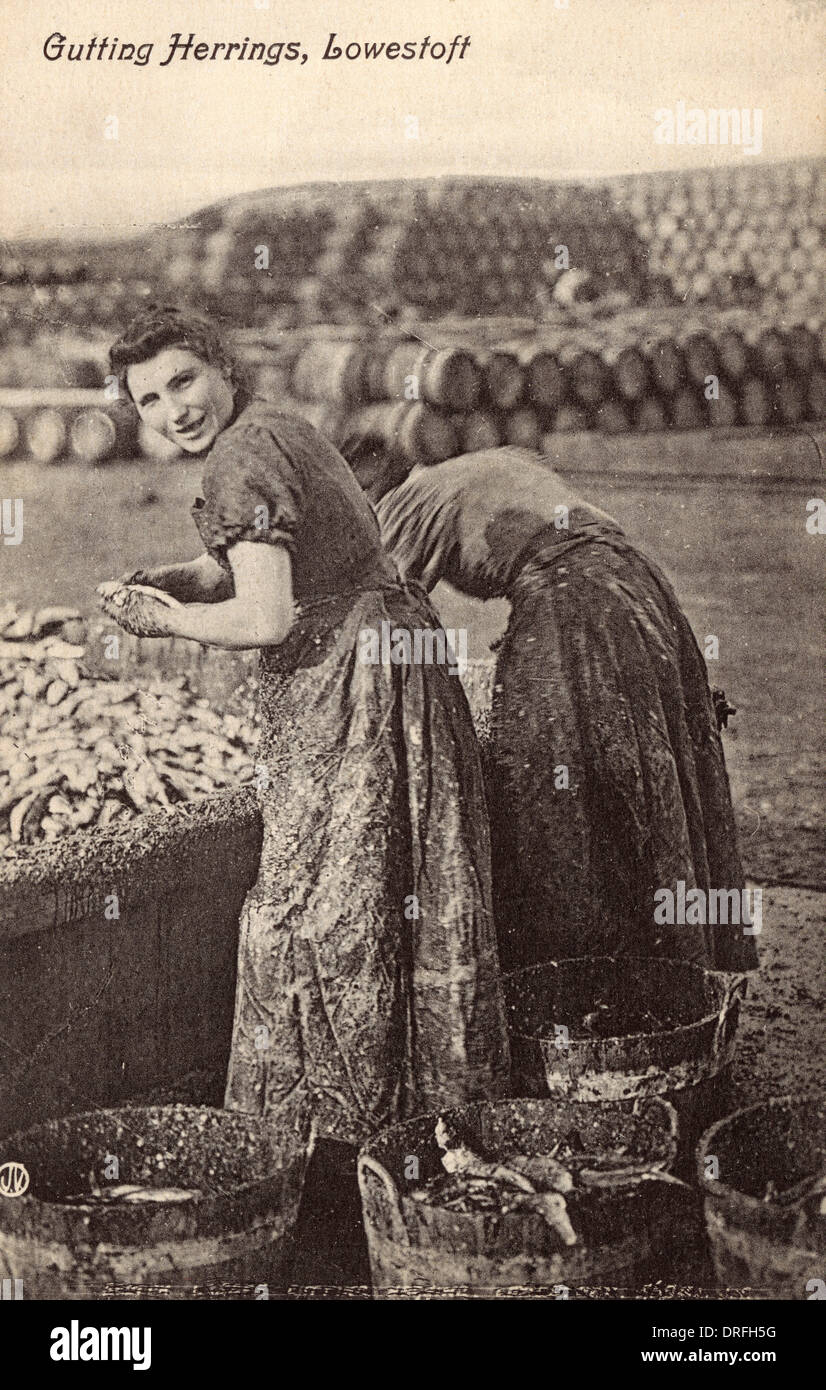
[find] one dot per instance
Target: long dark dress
(608, 780)
(368, 983)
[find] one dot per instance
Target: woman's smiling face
(182, 397)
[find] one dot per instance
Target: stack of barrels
(318, 254)
(50, 426)
(26, 310)
(733, 236)
(457, 387)
(574, 307)
(52, 286)
(54, 404)
(245, 257)
(493, 248)
(462, 246)
(67, 268)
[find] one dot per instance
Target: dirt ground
(782, 1046)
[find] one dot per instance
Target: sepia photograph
(412, 616)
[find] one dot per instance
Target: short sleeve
(252, 492)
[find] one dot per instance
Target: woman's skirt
(368, 980)
(608, 779)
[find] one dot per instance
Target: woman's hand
(158, 578)
(189, 581)
(141, 610)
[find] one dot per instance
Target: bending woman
(608, 780)
(368, 983)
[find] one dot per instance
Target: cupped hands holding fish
(141, 609)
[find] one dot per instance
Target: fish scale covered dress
(368, 981)
(608, 781)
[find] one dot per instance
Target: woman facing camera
(608, 780)
(368, 982)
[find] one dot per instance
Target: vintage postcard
(412, 426)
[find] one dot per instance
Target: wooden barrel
(755, 404)
(12, 270)
(770, 354)
(544, 377)
(687, 410)
(379, 266)
(309, 293)
(802, 347)
(587, 375)
(418, 1248)
(494, 291)
(685, 1055)
(45, 435)
(724, 410)
(790, 400)
(611, 417)
(701, 359)
(702, 285)
(821, 345)
(93, 436)
(502, 376)
(9, 433)
(522, 428)
(330, 262)
(237, 1229)
(329, 371)
(666, 225)
(764, 1224)
(650, 416)
(388, 237)
(570, 419)
(477, 430)
(446, 377)
(629, 371)
(667, 365)
(733, 355)
(816, 396)
(786, 284)
(414, 431)
(272, 380)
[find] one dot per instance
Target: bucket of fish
(762, 1171)
(600, 1028)
(153, 1202)
(525, 1196)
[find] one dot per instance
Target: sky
(545, 88)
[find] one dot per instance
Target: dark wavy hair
(160, 326)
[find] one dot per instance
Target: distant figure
(608, 776)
